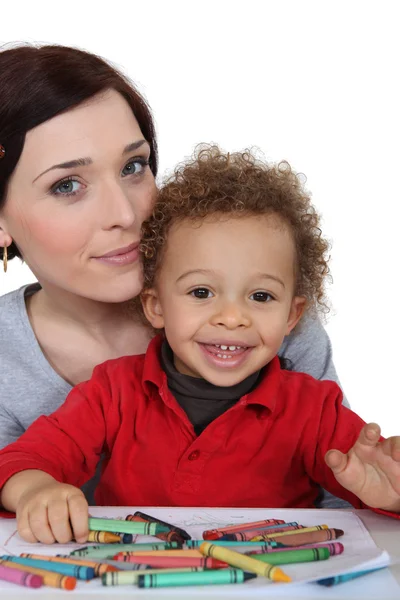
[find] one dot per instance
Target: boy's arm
(364, 468)
(309, 350)
(65, 445)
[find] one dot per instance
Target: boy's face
(224, 295)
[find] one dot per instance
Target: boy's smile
(225, 307)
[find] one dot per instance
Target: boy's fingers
(369, 435)
(58, 517)
(39, 525)
(79, 517)
(391, 447)
(336, 460)
(23, 527)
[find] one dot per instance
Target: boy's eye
(261, 297)
(201, 293)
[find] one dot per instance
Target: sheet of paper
(360, 552)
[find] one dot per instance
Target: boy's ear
(299, 304)
(152, 308)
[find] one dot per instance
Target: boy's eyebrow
(83, 162)
(195, 272)
(210, 272)
(267, 276)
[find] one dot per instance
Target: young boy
(233, 257)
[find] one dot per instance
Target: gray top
(30, 387)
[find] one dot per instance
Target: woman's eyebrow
(84, 162)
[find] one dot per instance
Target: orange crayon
(104, 537)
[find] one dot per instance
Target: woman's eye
(135, 167)
(67, 187)
(261, 297)
(201, 293)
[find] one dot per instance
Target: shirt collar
(265, 393)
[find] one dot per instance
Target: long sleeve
(67, 444)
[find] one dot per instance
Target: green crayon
(293, 556)
(134, 527)
(209, 577)
(131, 577)
(110, 550)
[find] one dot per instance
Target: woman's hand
(47, 511)
(371, 469)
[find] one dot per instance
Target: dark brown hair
(38, 83)
(214, 184)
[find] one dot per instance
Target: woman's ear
(152, 308)
(299, 304)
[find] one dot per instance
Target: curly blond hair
(213, 183)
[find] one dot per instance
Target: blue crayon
(229, 543)
(80, 572)
(126, 538)
(329, 581)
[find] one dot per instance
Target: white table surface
(384, 531)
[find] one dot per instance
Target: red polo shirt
(266, 451)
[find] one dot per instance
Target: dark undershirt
(202, 401)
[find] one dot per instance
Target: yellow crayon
(240, 561)
(160, 553)
(265, 535)
(104, 537)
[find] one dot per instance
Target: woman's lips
(121, 256)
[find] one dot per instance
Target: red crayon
(175, 561)
(244, 536)
(214, 534)
(334, 548)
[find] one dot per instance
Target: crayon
(246, 563)
(104, 537)
(224, 576)
(211, 534)
(78, 571)
(329, 581)
(99, 567)
(334, 548)
(176, 561)
(184, 534)
(126, 526)
(131, 577)
(294, 556)
(282, 534)
(245, 536)
(238, 545)
(143, 553)
(50, 578)
(300, 539)
(168, 536)
(126, 538)
(109, 550)
(20, 577)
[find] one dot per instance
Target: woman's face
(78, 197)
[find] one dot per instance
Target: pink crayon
(213, 534)
(20, 577)
(333, 547)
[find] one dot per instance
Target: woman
(78, 158)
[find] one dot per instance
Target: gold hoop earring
(5, 259)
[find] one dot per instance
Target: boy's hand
(53, 512)
(371, 469)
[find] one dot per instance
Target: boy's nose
(231, 316)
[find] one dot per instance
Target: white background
(313, 82)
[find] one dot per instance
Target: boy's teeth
(231, 348)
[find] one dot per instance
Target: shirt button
(194, 455)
